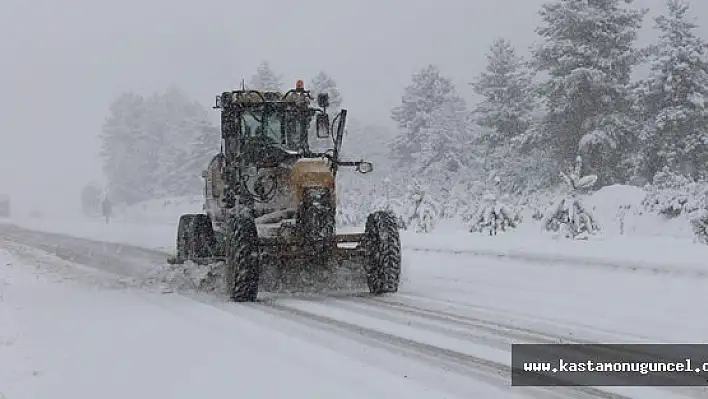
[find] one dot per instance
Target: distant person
(107, 209)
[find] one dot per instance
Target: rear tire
(242, 260)
(184, 238)
(382, 257)
(203, 238)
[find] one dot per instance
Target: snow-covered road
(68, 331)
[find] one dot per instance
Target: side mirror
(365, 167)
(323, 100)
(205, 174)
(322, 124)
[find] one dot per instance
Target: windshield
(282, 128)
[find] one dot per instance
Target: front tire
(382, 245)
(242, 260)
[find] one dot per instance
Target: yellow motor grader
(270, 205)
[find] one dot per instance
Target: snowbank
(658, 254)
(606, 204)
(630, 238)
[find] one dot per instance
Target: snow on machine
(270, 205)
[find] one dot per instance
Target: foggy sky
(62, 62)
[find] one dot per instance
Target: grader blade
(294, 269)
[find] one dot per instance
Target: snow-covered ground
(62, 338)
(72, 331)
(446, 334)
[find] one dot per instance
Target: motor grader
(270, 200)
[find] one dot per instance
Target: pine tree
(588, 56)
(156, 147)
(91, 199)
(504, 117)
(265, 79)
(446, 143)
(494, 214)
(159, 150)
(122, 138)
(676, 125)
(505, 87)
(568, 216)
(428, 92)
(178, 125)
(203, 147)
(323, 83)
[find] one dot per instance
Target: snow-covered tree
(676, 97)
(265, 79)
(165, 143)
(91, 199)
(700, 227)
(494, 214)
(507, 95)
(445, 142)
(567, 216)
(420, 211)
(428, 92)
(122, 149)
(157, 146)
(387, 198)
(323, 83)
(587, 57)
(504, 116)
(205, 142)
(186, 140)
(672, 194)
(447, 155)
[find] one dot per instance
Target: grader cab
(270, 200)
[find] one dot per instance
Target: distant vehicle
(4, 206)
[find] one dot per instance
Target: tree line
(156, 146)
(574, 96)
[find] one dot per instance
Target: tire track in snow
(125, 260)
(460, 326)
(473, 329)
(510, 332)
(458, 362)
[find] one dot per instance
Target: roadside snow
(654, 253)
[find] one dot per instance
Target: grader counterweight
(270, 201)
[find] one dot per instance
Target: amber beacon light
(299, 85)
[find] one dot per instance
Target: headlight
(365, 167)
